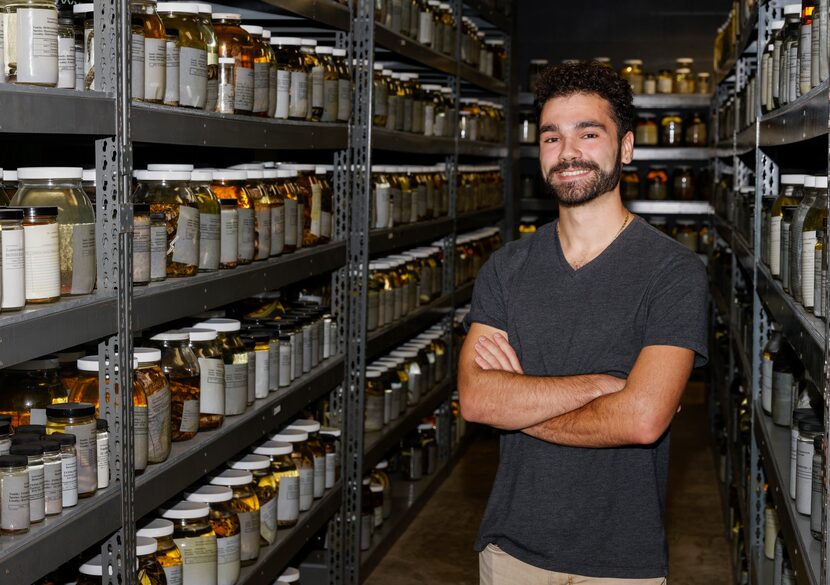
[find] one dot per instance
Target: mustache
(574, 165)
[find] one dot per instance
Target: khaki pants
(496, 567)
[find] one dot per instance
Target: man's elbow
(648, 431)
(470, 408)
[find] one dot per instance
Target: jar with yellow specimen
(304, 460)
(321, 203)
(28, 388)
(150, 571)
(272, 73)
(380, 476)
(314, 70)
(315, 446)
(167, 554)
(261, 200)
(195, 540)
(209, 220)
(230, 184)
(632, 72)
(61, 187)
(86, 389)
(168, 192)
(267, 491)
(274, 182)
(208, 352)
(149, 375)
(211, 42)
(181, 366)
(235, 356)
(262, 69)
(246, 505)
(684, 81)
(68, 363)
(380, 88)
(148, 51)
(344, 86)
(331, 82)
(330, 438)
(186, 52)
(226, 526)
(630, 183)
(236, 43)
(287, 476)
(302, 186)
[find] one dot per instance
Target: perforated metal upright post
(113, 161)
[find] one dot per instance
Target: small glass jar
(303, 459)
(194, 537)
(91, 572)
(226, 526)
(234, 42)
(78, 418)
(33, 452)
(148, 62)
(246, 505)
(429, 447)
(287, 476)
(684, 81)
(148, 374)
(13, 273)
(330, 437)
(696, 131)
(650, 84)
(69, 467)
(703, 85)
(630, 183)
(292, 80)
(657, 183)
(41, 248)
(167, 554)
(314, 70)
(262, 69)
(632, 72)
(374, 403)
(686, 233)
(412, 458)
(665, 81)
(416, 379)
(210, 222)
(261, 203)
(29, 388)
(318, 454)
(229, 229)
(267, 491)
(683, 183)
(380, 477)
(208, 352)
(180, 365)
(645, 131)
(671, 129)
(52, 474)
(150, 571)
(14, 494)
(186, 55)
(230, 184)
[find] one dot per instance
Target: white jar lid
(297, 167)
(89, 176)
(425, 427)
(821, 182)
(338, 52)
(84, 8)
(323, 50)
(10, 175)
(226, 60)
(284, 174)
(25, 173)
(404, 353)
(290, 436)
(93, 566)
(144, 545)
(308, 42)
(251, 462)
(201, 175)
(252, 29)
(173, 168)
(147, 355)
(171, 336)
(809, 181)
(232, 477)
(200, 334)
(204, 8)
(221, 325)
(286, 41)
(182, 7)
(331, 431)
(305, 424)
(291, 575)
(266, 34)
(227, 16)
(633, 62)
(388, 73)
(372, 374)
(273, 448)
(166, 176)
(323, 169)
(90, 363)
(382, 464)
(270, 173)
(156, 529)
(792, 8)
(254, 174)
(792, 179)
(210, 494)
(229, 175)
(185, 510)
(375, 488)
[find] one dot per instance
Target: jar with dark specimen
(181, 366)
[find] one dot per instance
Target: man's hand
(497, 354)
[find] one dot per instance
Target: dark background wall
(655, 31)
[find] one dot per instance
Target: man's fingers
(482, 363)
(487, 357)
(505, 346)
(494, 350)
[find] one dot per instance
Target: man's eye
(590, 135)
(550, 139)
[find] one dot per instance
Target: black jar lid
(141, 208)
(28, 449)
(810, 425)
(5, 428)
(39, 211)
(248, 342)
(62, 438)
(800, 414)
(70, 409)
(39, 429)
(9, 461)
(48, 446)
(229, 201)
(11, 213)
(20, 438)
(101, 424)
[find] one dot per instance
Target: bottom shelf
(274, 559)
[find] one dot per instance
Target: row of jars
(737, 112)
(793, 238)
(479, 187)
(489, 56)
(402, 103)
(481, 120)
(401, 378)
(190, 220)
(472, 250)
(726, 40)
(671, 130)
(796, 59)
(408, 194)
(657, 184)
(401, 283)
(428, 22)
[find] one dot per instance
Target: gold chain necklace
(579, 265)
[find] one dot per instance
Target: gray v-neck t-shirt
(582, 511)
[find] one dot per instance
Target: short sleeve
(489, 305)
(677, 307)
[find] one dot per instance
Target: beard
(581, 192)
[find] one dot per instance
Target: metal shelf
(377, 443)
(401, 330)
(669, 207)
(483, 149)
(397, 141)
(490, 14)
(326, 12)
(23, 557)
(745, 141)
(724, 228)
(46, 110)
(478, 219)
(804, 332)
(407, 236)
(646, 153)
(745, 256)
(165, 301)
(275, 558)
(805, 551)
(463, 294)
(191, 460)
(158, 124)
(801, 120)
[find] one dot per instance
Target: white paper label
(227, 557)
(263, 231)
(319, 476)
(283, 94)
(159, 425)
(3, 19)
(158, 252)
(251, 393)
(808, 267)
(306, 487)
(37, 46)
(425, 29)
(42, 265)
(775, 245)
(285, 365)
(52, 487)
(66, 63)
(209, 241)
(212, 386)
(298, 100)
(198, 559)
(268, 521)
(14, 505)
(155, 66)
(331, 469)
(229, 241)
(291, 222)
(272, 91)
(273, 365)
(277, 229)
(344, 100)
(37, 503)
(766, 382)
(190, 416)
(249, 524)
(246, 234)
(325, 224)
(13, 270)
(261, 81)
(171, 73)
(383, 217)
(262, 374)
(300, 224)
(173, 575)
(185, 245)
(226, 95)
(316, 208)
(805, 57)
(243, 99)
(317, 95)
(192, 77)
(87, 450)
(83, 257)
(236, 388)
(141, 251)
(69, 480)
(137, 65)
(103, 463)
(330, 99)
(140, 435)
(288, 508)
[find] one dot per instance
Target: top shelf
(800, 120)
(488, 12)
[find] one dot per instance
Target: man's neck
(586, 230)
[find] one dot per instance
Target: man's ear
(627, 148)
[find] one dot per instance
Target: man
(581, 341)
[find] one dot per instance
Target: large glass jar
(671, 129)
(630, 183)
(28, 388)
(181, 367)
(657, 183)
(211, 42)
(267, 491)
(195, 540)
(150, 571)
(380, 85)
(262, 69)
(235, 43)
(344, 87)
(302, 189)
(31, 46)
(78, 418)
(246, 505)
(148, 51)
(261, 201)
(330, 83)
(149, 375)
(167, 554)
(315, 446)
(230, 184)
(292, 81)
(321, 203)
(314, 69)
(186, 51)
(696, 131)
(684, 80)
(632, 72)
(303, 459)
(292, 213)
(686, 233)
(168, 192)
(208, 352)
(645, 130)
(209, 220)
(287, 476)
(236, 362)
(61, 187)
(683, 183)
(225, 524)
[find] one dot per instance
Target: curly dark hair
(588, 77)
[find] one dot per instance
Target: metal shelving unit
(798, 121)
(32, 110)
(476, 219)
(408, 236)
(398, 332)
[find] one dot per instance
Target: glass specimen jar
(262, 69)
(645, 131)
(29, 388)
(303, 459)
(235, 356)
(78, 418)
(148, 51)
(344, 86)
(330, 438)
(150, 571)
(158, 247)
(14, 494)
(535, 68)
(33, 452)
(630, 183)
(686, 233)
(331, 80)
(12, 270)
(229, 238)
(287, 476)
(209, 220)
(141, 244)
(657, 183)
(246, 505)
(31, 48)
(226, 86)
(149, 375)
(261, 201)
(225, 524)
(267, 491)
(684, 81)
(632, 72)
(314, 69)
(180, 365)
(194, 537)
(168, 192)
(412, 458)
(208, 351)
(683, 183)
(695, 134)
(273, 183)
(315, 446)
(61, 187)
(235, 43)
(66, 53)
(186, 54)
(671, 129)
(230, 184)
(373, 419)
(292, 80)
(167, 554)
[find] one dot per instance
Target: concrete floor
(437, 546)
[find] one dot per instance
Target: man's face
(579, 151)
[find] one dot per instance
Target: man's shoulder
(660, 249)
(515, 252)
